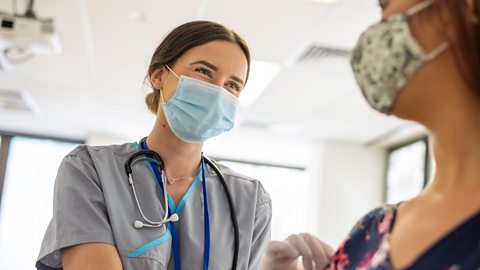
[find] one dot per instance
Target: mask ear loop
(416, 9)
(178, 77)
(435, 53)
(162, 100)
(421, 6)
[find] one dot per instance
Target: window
(287, 188)
(26, 203)
(408, 172)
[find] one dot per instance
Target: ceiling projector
(24, 36)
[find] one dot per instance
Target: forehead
(225, 55)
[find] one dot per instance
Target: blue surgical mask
(199, 110)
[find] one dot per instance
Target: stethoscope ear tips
(138, 224)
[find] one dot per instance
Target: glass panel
(27, 199)
(406, 172)
(287, 188)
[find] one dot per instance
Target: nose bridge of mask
(210, 88)
(204, 85)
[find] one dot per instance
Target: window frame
(220, 159)
(427, 162)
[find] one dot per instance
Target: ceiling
(95, 86)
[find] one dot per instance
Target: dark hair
(466, 43)
(183, 38)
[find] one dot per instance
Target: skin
(439, 98)
(223, 64)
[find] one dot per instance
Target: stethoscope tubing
(233, 211)
(131, 182)
(143, 155)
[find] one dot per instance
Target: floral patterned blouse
(367, 246)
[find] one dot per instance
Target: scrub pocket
(153, 254)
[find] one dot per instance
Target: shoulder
(365, 237)
(86, 160)
(84, 150)
(377, 221)
(370, 229)
(378, 215)
(88, 153)
(243, 184)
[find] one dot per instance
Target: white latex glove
(284, 255)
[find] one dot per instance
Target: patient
(420, 63)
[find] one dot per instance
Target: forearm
(92, 256)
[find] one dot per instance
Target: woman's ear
(156, 78)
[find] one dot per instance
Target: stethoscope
(157, 166)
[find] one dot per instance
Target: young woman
(110, 209)
(420, 63)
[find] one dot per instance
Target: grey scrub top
(93, 202)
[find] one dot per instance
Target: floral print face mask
(387, 56)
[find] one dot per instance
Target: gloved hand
(284, 255)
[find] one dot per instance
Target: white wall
(100, 138)
(260, 145)
(348, 182)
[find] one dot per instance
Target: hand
(283, 255)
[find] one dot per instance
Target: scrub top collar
(172, 209)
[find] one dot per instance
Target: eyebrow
(215, 68)
(205, 63)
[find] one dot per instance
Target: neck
(180, 159)
(456, 146)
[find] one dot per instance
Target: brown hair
(466, 43)
(183, 38)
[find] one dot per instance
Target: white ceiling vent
(14, 100)
(319, 53)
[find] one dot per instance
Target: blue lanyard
(171, 225)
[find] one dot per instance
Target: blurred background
(304, 129)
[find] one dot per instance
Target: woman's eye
(204, 71)
(233, 86)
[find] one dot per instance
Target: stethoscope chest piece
(154, 158)
(151, 156)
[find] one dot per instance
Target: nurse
(197, 74)
(420, 63)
